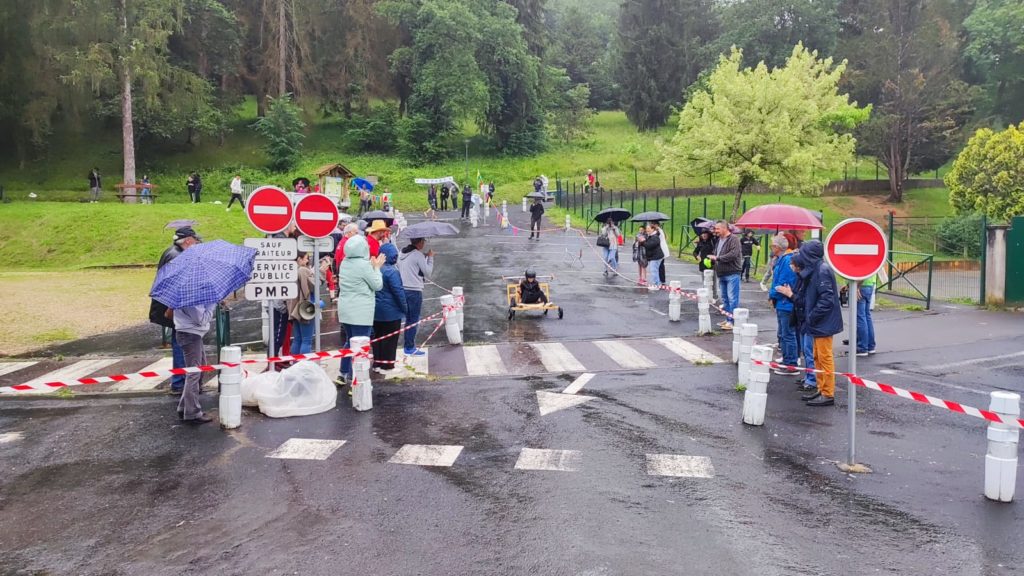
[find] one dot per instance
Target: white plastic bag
(301, 390)
(252, 384)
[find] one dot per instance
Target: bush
(281, 129)
(960, 236)
(376, 131)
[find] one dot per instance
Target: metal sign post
(851, 334)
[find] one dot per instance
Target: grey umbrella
(430, 229)
(175, 224)
(650, 217)
(378, 215)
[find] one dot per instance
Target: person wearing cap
(359, 278)
(415, 265)
(184, 238)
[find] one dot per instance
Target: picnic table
(135, 191)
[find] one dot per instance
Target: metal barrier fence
(910, 276)
(957, 265)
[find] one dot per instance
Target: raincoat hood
(809, 256)
(356, 247)
(390, 253)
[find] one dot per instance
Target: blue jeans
(280, 327)
(177, 361)
(352, 331)
(787, 337)
(611, 255)
(808, 350)
(653, 279)
(302, 337)
(414, 304)
(865, 326)
(729, 287)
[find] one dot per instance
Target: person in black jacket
(95, 184)
(530, 291)
(748, 243)
(728, 262)
(467, 201)
(445, 192)
(654, 253)
(536, 213)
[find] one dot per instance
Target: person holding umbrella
(191, 285)
(654, 254)
(608, 236)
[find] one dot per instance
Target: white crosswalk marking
(138, 383)
(8, 367)
(555, 460)
(556, 358)
(679, 466)
(623, 354)
(306, 449)
(484, 361)
(79, 369)
(691, 352)
(426, 455)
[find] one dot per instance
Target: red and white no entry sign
(269, 209)
(316, 215)
(856, 248)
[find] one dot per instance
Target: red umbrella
(779, 217)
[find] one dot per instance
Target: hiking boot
(822, 401)
(812, 396)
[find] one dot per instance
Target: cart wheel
(511, 314)
(560, 313)
(545, 311)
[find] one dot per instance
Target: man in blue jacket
(817, 305)
(783, 275)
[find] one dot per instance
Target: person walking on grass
(95, 185)
(390, 307)
(147, 191)
(236, 192)
(727, 262)
(415, 266)
(786, 332)
(359, 278)
(816, 301)
(536, 213)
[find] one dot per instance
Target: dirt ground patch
(874, 208)
(42, 308)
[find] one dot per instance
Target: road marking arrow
(578, 383)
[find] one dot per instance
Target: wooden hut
(334, 181)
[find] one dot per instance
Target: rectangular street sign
(284, 291)
(274, 271)
(324, 245)
(273, 248)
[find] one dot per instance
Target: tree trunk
(897, 174)
(127, 124)
(282, 49)
(744, 184)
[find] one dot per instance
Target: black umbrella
(701, 225)
(613, 214)
(378, 215)
(650, 217)
(430, 229)
(535, 195)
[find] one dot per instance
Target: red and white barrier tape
(909, 395)
(365, 352)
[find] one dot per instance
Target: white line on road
(624, 355)
(79, 369)
(272, 210)
(553, 460)
(679, 466)
(483, 360)
(976, 361)
(856, 249)
(8, 367)
(690, 352)
(549, 402)
(656, 311)
(556, 357)
(426, 455)
(7, 437)
(306, 449)
(578, 383)
(137, 383)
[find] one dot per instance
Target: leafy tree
(569, 115)
(282, 129)
(582, 43)
(767, 30)
(663, 47)
(988, 175)
(784, 127)
(996, 46)
(904, 59)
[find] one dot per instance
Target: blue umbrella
(203, 274)
(360, 183)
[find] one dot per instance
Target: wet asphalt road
(116, 486)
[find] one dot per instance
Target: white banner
(446, 179)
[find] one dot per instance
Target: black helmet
(530, 273)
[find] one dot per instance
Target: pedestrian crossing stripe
(556, 357)
(484, 361)
(139, 384)
(624, 355)
(689, 351)
(74, 371)
(8, 367)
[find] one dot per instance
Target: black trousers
(237, 197)
(385, 351)
(535, 225)
(466, 205)
(444, 202)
